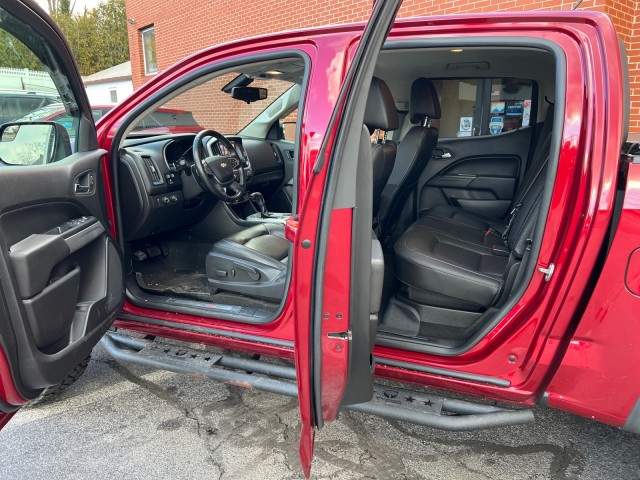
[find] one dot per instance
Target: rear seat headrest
(424, 101)
(381, 108)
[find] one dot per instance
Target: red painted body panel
(335, 311)
(632, 275)
(576, 225)
(598, 374)
(4, 418)
(8, 392)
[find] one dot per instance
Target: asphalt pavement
(138, 423)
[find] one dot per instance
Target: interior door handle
(85, 183)
(439, 154)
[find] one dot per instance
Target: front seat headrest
(424, 101)
(381, 108)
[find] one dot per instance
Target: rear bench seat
(456, 259)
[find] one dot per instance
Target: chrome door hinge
(341, 335)
(548, 272)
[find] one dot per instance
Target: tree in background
(98, 37)
(61, 6)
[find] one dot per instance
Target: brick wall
(186, 26)
(212, 108)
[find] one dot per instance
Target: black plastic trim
(139, 297)
(633, 420)
(499, 382)
(205, 330)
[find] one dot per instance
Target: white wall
(98, 93)
(25, 79)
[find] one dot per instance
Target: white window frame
(147, 72)
(113, 93)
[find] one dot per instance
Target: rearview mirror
(33, 143)
(249, 94)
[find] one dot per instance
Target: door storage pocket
(51, 312)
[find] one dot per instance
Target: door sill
(172, 303)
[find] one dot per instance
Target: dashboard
(159, 191)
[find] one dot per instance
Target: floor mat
(228, 298)
(158, 276)
(189, 284)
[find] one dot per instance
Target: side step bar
(388, 402)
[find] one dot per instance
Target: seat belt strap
(512, 216)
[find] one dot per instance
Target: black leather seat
(251, 262)
(455, 259)
(254, 261)
(381, 115)
(414, 152)
(462, 270)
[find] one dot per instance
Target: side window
(288, 125)
(458, 100)
(66, 121)
(511, 102)
(97, 114)
(21, 105)
(30, 132)
(474, 107)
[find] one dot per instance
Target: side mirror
(33, 143)
(249, 94)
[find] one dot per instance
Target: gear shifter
(258, 199)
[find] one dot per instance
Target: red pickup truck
(444, 202)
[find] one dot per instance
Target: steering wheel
(222, 175)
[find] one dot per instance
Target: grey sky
(79, 4)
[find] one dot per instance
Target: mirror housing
(33, 143)
(249, 94)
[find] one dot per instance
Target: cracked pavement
(138, 423)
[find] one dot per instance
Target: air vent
(156, 178)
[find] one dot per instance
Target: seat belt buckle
(490, 231)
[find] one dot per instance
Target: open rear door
(336, 315)
(61, 273)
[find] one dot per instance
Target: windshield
(212, 105)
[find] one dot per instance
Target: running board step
(388, 402)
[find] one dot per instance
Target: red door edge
(312, 244)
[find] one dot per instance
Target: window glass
(97, 114)
(149, 51)
(472, 107)
(209, 106)
(113, 93)
(458, 104)
(511, 104)
(30, 82)
(288, 124)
